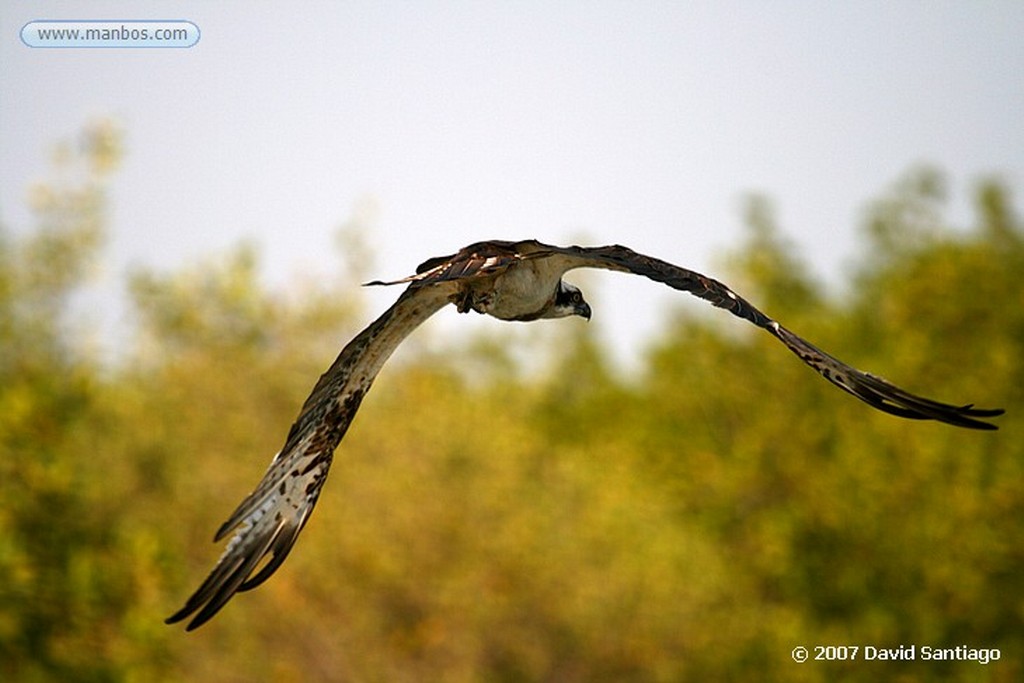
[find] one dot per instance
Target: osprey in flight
(509, 281)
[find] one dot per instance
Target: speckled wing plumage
(479, 259)
(269, 520)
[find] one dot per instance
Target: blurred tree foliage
(697, 523)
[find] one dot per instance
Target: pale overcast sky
(642, 123)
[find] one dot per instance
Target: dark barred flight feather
(519, 281)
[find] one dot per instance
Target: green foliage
(696, 525)
(78, 573)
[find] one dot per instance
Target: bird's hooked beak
(582, 309)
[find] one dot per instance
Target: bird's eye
(577, 297)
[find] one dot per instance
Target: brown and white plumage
(510, 281)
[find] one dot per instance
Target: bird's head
(568, 301)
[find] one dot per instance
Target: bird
(511, 281)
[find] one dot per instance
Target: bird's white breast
(524, 289)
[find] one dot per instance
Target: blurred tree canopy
(695, 523)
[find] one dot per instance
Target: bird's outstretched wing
(869, 388)
(269, 520)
